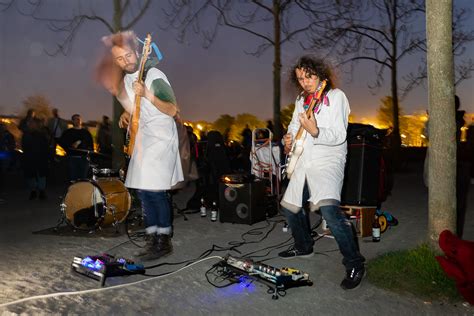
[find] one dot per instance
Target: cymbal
(89, 152)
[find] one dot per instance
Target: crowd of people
(38, 142)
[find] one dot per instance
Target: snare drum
(106, 173)
(89, 204)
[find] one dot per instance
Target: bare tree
(463, 67)
(442, 157)
(381, 32)
(126, 14)
(274, 22)
(384, 32)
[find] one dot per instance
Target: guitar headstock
(146, 47)
(320, 89)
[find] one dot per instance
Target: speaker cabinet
(242, 203)
(362, 174)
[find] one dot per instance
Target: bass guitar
(134, 122)
(297, 147)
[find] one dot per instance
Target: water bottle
(214, 211)
(376, 230)
(202, 209)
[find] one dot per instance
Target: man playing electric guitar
(155, 164)
(319, 170)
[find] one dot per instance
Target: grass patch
(414, 271)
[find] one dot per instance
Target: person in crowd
(246, 147)
(78, 144)
(463, 169)
(7, 148)
(56, 126)
(30, 115)
(104, 136)
(35, 146)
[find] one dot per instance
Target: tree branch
(238, 27)
(139, 15)
(259, 4)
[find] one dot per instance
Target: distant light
(422, 136)
(60, 151)
(403, 135)
(199, 126)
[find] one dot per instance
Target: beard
(130, 68)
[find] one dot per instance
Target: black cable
(271, 248)
(215, 268)
(234, 245)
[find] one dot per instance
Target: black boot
(33, 195)
(42, 195)
(164, 246)
(151, 241)
(157, 246)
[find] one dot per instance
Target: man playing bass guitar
(155, 164)
(319, 170)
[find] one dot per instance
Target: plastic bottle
(376, 230)
(202, 209)
(214, 211)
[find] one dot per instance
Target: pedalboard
(278, 279)
(103, 266)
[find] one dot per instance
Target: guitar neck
(136, 112)
(308, 115)
(312, 105)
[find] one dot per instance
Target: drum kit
(100, 201)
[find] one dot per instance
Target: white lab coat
(323, 159)
(155, 164)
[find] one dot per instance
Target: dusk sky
(207, 82)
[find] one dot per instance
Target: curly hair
(312, 66)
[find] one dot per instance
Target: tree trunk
(442, 127)
(396, 141)
(277, 71)
(118, 160)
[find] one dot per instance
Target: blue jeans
(157, 211)
(36, 183)
(339, 225)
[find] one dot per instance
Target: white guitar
(297, 147)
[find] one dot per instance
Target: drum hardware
(115, 223)
(107, 173)
(62, 215)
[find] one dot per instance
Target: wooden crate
(362, 217)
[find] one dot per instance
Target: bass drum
(90, 204)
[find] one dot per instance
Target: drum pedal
(104, 266)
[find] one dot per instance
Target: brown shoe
(157, 246)
(150, 244)
(164, 247)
